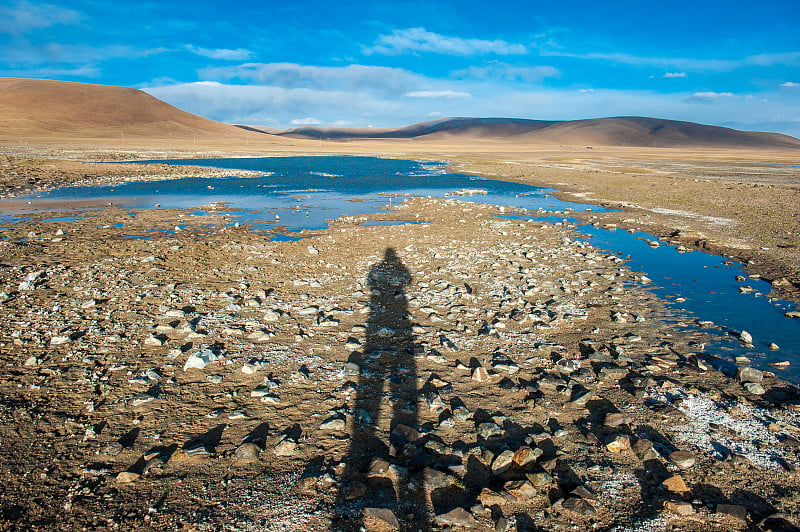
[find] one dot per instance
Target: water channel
(303, 193)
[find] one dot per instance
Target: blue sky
(357, 63)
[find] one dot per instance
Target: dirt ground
(467, 371)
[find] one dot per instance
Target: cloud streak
(239, 54)
(419, 40)
(24, 17)
(684, 63)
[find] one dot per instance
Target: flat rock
(619, 443)
(578, 505)
(503, 462)
(615, 419)
(748, 374)
(127, 476)
(754, 388)
(285, 447)
(679, 507)
(248, 451)
(734, 510)
(676, 484)
(681, 459)
(525, 455)
(334, 424)
(384, 514)
(457, 517)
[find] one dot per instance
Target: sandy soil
(465, 371)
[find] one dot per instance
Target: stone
(480, 374)
(60, 340)
(793, 314)
(432, 479)
(525, 455)
(619, 443)
(489, 429)
(578, 505)
(745, 338)
(754, 388)
(285, 447)
(306, 485)
(334, 424)
(384, 514)
(676, 484)
(457, 517)
(248, 451)
(679, 507)
(354, 490)
(503, 462)
(748, 374)
(681, 459)
(734, 510)
(613, 373)
(378, 467)
(583, 493)
(772, 346)
(643, 449)
(615, 419)
(539, 479)
(142, 398)
(406, 432)
(521, 489)
(489, 497)
(127, 476)
(200, 359)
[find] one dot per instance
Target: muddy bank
(468, 370)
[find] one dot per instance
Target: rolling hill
(619, 131)
(42, 109)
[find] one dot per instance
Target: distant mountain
(37, 108)
(60, 110)
(618, 131)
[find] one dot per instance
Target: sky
(364, 63)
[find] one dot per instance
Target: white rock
(200, 359)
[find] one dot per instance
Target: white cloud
(676, 75)
(305, 122)
(684, 63)
(70, 54)
(25, 16)
(239, 54)
(495, 70)
(293, 75)
(437, 94)
(707, 97)
(790, 84)
(416, 40)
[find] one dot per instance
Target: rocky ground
(469, 371)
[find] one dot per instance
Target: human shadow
(385, 439)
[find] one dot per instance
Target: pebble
(503, 462)
(285, 447)
(616, 419)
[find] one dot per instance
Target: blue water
(304, 193)
(299, 193)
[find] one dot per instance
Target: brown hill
(618, 131)
(42, 109)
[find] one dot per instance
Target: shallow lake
(304, 193)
